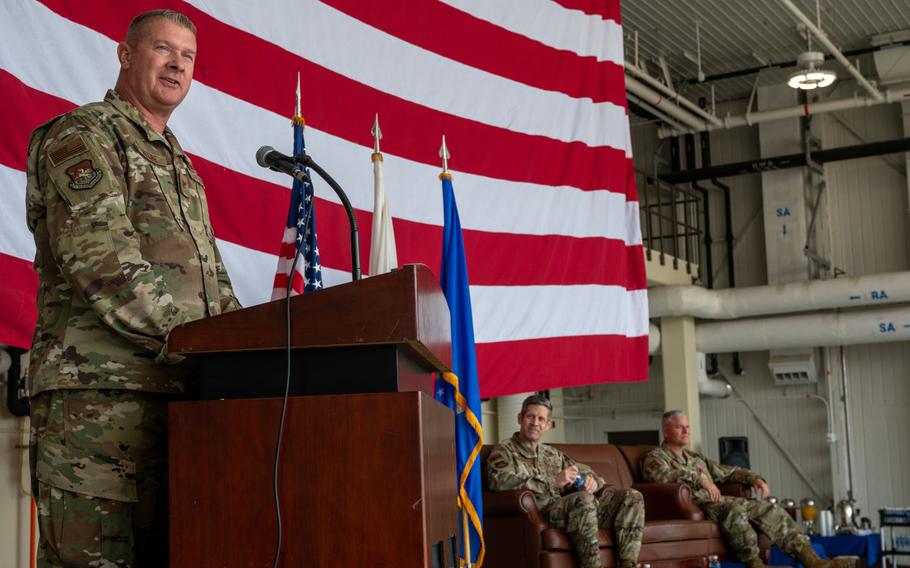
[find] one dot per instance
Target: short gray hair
(536, 400)
(671, 414)
(134, 31)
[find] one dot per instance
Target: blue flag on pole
(459, 390)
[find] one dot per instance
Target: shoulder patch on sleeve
(69, 149)
(83, 175)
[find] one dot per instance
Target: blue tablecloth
(867, 546)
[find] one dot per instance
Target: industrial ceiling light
(810, 76)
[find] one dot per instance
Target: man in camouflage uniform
(125, 252)
(673, 463)
(523, 462)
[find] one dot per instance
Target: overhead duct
(717, 388)
(730, 303)
(885, 325)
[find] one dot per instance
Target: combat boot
(755, 563)
(809, 559)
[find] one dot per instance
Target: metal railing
(671, 223)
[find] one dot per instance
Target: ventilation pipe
(883, 325)
(873, 289)
(653, 339)
(717, 388)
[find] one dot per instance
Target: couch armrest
(735, 489)
(513, 504)
(667, 501)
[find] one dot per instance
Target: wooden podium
(367, 475)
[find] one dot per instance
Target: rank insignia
(83, 175)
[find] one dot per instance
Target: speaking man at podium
(125, 252)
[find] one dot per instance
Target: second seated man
(673, 463)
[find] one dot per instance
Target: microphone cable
(287, 378)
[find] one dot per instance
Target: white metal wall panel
(866, 210)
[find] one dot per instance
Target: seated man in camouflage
(522, 462)
(672, 463)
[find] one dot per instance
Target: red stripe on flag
(252, 212)
(521, 366)
(342, 106)
(281, 282)
(17, 300)
(606, 10)
(29, 109)
(457, 35)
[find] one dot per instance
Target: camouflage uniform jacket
(125, 250)
(511, 465)
(663, 466)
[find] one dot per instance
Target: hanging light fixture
(810, 75)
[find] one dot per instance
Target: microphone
(270, 158)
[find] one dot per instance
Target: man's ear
(123, 54)
(519, 418)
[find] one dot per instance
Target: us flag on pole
(299, 232)
(531, 92)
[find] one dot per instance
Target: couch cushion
(633, 456)
(669, 531)
(604, 459)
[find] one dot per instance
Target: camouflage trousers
(581, 514)
(737, 516)
(99, 475)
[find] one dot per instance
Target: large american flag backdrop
(530, 96)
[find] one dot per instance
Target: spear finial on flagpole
(377, 135)
(298, 119)
(445, 155)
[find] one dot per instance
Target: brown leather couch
(676, 533)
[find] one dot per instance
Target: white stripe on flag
(15, 238)
(552, 25)
(572, 310)
(389, 64)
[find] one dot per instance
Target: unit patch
(83, 175)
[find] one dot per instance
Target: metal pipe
(691, 107)
(664, 103)
(753, 118)
(786, 64)
(843, 386)
(774, 438)
(789, 161)
(832, 49)
(656, 112)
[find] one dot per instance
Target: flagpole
(467, 536)
(465, 526)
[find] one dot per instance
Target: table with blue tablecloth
(868, 547)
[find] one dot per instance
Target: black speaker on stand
(734, 450)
